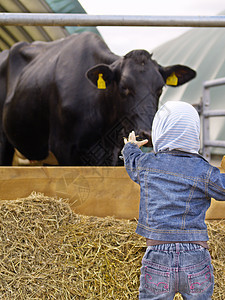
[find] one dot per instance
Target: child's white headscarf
(176, 125)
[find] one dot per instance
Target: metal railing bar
(215, 144)
(214, 113)
(52, 19)
(214, 82)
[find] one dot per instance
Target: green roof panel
(70, 6)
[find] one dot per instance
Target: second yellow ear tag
(101, 82)
(172, 79)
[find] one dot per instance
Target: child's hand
(132, 139)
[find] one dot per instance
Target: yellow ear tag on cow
(101, 82)
(172, 79)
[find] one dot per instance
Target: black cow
(77, 99)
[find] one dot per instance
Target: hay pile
(48, 252)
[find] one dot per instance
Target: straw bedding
(49, 252)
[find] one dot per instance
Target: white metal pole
(55, 19)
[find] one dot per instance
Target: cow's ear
(100, 75)
(177, 75)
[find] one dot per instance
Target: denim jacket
(175, 192)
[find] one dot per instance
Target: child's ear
(177, 74)
(101, 76)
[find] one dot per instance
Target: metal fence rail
(52, 19)
(206, 114)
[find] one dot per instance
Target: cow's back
(37, 66)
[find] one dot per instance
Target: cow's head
(138, 81)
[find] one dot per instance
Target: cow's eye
(125, 91)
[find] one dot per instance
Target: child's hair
(176, 125)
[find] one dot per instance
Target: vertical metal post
(205, 122)
(206, 114)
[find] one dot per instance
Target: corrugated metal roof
(203, 50)
(12, 34)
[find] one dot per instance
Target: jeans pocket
(199, 282)
(156, 281)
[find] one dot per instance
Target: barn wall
(98, 191)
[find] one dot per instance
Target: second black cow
(75, 98)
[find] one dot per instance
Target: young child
(176, 186)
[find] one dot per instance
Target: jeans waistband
(176, 247)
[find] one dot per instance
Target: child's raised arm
(131, 154)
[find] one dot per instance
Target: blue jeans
(179, 267)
